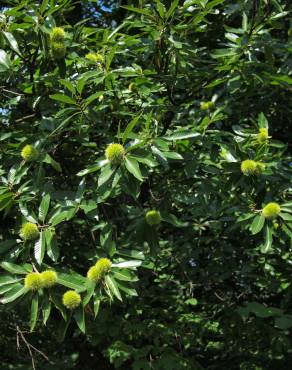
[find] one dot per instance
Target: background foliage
(186, 87)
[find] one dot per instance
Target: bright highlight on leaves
(29, 231)
(71, 299)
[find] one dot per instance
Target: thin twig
(30, 347)
(25, 118)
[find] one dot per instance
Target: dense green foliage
(145, 195)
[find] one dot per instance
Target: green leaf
(106, 240)
(63, 327)
(40, 248)
(6, 245)
(72, 281)
(181, 135)
(172, 8)
(172, 155)
(129, 291)
(11, 41)
(285, 216)
(93, 168)
(44, 207)
(80, 191)
(112, 286)
(59, 217)
(137, 10)
(284, 322)
(34, 311)
(172, 219)
(13, 294)
(133, 167)
(48, 159)
(159, 155)
(68, 85)
(192, 301)
(130, 127)
(90, 287)
(259, 310)
(160, 8)
(46, 309)
(63, 98)
(8, 279)
(105, 175)
(262, 121)
(127, 264)
(96, 305)
(80, 319)
(16, 269)
(51, 243)
(5, 63)
(28, 215)
(124, 274)
(268, 240)
(257, 224)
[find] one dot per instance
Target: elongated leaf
(46, 308)
(14, 293)
(96, 305)
(12, 42)
(6, 245)
(113, 287)
(130, 128)
(129, 291)
(28, 215)
(181, 135)
(159, 155)
(5, 62)
(48, 159)
(286, 216)
(72, 281)
(16, 269)
(128, 264)
(268, 240)
(137, 10)
(80, 319)
(257, 224)
(63, 327)
(172, 8)
(172, 155)
(133, 167)
(8, 279)
(63, 98)
(93, 168)
(80, 191)
(44, 207)
(34, 311)
(60, 217)
(124, 275)
(40, 248)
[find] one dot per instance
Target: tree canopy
(145, 192)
